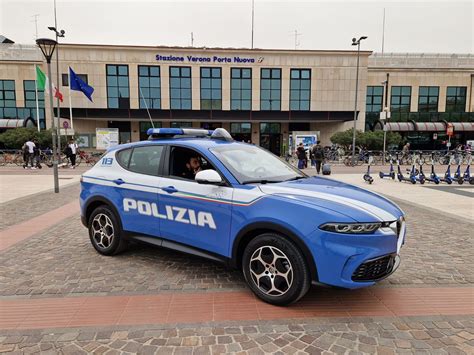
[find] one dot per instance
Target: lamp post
(384, 116)
(47, 47)
(58, 107)
(356, 42)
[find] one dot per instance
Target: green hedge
(373, 140)
(16, 137)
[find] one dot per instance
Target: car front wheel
(275, 269)
(104, 231)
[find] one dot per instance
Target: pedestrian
(28, 154)
(72, 152)
(301, 154)
(318, 156)
(36, 154)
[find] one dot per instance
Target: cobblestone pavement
(62, 261)
(25, 208)
(410, 335)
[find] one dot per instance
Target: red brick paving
(27, 229)
(225, 306)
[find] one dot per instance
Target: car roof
(202, 142)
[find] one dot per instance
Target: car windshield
(251, 164)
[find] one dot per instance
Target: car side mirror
(208, 176)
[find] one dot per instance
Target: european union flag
(76, 83)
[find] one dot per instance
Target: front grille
(374, 269)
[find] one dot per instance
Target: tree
(15, 138)
(373, 140)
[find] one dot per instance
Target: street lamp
(58, 108)
(384, 116)
(47, 47)
(356, 42)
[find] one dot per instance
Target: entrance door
(125, 130)
(271, 142)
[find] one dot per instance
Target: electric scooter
(447, 176)
(402, 177)
(391, 173)
(466, 176)
(458, 177)
(416, 175)
(367, 177)
(432, 177)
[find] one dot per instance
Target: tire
(103, 220)
(264, 248)
(460, 181)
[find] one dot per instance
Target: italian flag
(42, 84)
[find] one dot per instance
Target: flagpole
(146, 106)
(37, 104)
(70, 104)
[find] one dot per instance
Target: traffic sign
(450, 130)
(435, 135)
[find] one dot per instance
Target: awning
(463, 126)
(399, 126)
(430, 126)
(12, 123)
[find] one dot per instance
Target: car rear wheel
(275, 269)
(104, 231)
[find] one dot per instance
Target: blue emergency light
(218, 133)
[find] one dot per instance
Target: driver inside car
(193, 166)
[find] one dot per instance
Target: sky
(416, 26)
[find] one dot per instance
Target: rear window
(123, 157)
(146, 160)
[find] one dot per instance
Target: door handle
(119, 181)
(169, 189)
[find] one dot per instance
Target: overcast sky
(411, 26)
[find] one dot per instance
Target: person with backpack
(301, 154)
(36, 154)
(318, 156)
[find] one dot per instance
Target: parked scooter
(464, 177)
(417, 175)
(391, 173)
(367, 177)
(447, 176)
(402, 177)
(458, 177)
(432, 177)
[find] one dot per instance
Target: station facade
(258, 95)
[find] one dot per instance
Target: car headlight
(351, 228)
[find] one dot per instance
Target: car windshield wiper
(296, 178)
(260, 181)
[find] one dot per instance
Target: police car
(201, 192)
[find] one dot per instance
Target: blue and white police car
(201, 192)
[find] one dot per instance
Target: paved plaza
(59, 296)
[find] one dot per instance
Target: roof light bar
(218, 133)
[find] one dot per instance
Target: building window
(237, 128)
(30, 101)
(149, 86)
(179, 124)
(118, 91)
(7, 93)
(400, 99)
(300, 89)
(241, 89)
(65, 78)
(180, 88)
(456, 99)
(270, 89)
(428, 99)
(211, 125)
(374, 98)
(7, 99)
(270, 128)
(145, 126)
(211, 89)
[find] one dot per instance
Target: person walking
(318, 156)
(36, 154)
(28, 154)
(72, 151)
(301, 154)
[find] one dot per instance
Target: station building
(258, 95)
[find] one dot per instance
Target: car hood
(352, 201)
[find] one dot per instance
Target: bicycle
(89, 159)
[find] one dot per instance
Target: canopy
(399, 126)
(463, 126)
(430, 126)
